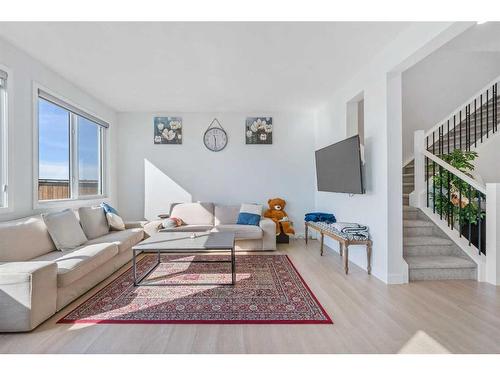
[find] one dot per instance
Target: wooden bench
(344, 244)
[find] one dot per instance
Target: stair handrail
(462, 106)
(476, 185)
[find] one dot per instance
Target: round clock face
(215, 139)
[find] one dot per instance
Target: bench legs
(322, 243)
(346, 259)
(369, 258)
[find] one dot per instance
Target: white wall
(156, 175)
(380, 208)
(437, 85)
(486, 164)
(23, 71)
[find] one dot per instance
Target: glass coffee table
(182, 242)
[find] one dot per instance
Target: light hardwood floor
(369, 316)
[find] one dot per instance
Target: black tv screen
(339, 167)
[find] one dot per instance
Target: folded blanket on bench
(351, 231)
(353, 228)
(320, 216)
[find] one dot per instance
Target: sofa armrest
(28, 294)
(136, 224)
(269, 234)
(152, 227)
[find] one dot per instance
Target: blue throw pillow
(249, 214)
(108, 209)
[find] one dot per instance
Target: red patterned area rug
(268, 290)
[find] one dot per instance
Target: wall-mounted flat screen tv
(339, 167)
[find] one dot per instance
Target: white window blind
(51, 98)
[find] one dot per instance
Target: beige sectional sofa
(207, 216)
(36, 280)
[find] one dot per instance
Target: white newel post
(493, 234)
(418, 152)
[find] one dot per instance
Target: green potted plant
(463, 209)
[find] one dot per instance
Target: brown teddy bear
(277, 214)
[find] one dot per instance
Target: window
(3, 140)
(70, 151)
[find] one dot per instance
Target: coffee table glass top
(183, 241)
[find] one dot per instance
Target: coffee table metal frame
(159, 251)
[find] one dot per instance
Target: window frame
(6, 202)
(75, 199)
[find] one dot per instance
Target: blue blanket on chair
(320, 216)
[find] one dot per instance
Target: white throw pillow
(93, 221)
(115, 221)
(64, 229)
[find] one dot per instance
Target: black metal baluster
(433, 173)
(475, 122)
(441, 149)
(460, 128)
(460, 210)
(448, 132)
(433, 187)
(495, 108)
(467, 124)
(427, 169)
(481, 106)
(454, 132)
(487, 114)
(441, 192)
(479, 221)
(469, 196)
(448, 203)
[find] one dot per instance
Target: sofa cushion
(241, 232)
(93, 221)
(226, 214)
(24, 239)
(200, 213)
(189, 228)
(124, 239)
(74, 264)
(65, 229)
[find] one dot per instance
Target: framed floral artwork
(167, 130)
(259, 131)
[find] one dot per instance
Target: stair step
(440, 267)
(439, 261)
(410, 208)
(426, 240)
(427, 246)
(417, 224)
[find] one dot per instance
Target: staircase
(429, 252)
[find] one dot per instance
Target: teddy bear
(277, 214)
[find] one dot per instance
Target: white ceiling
(195, 67)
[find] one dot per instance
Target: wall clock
(215, 137)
